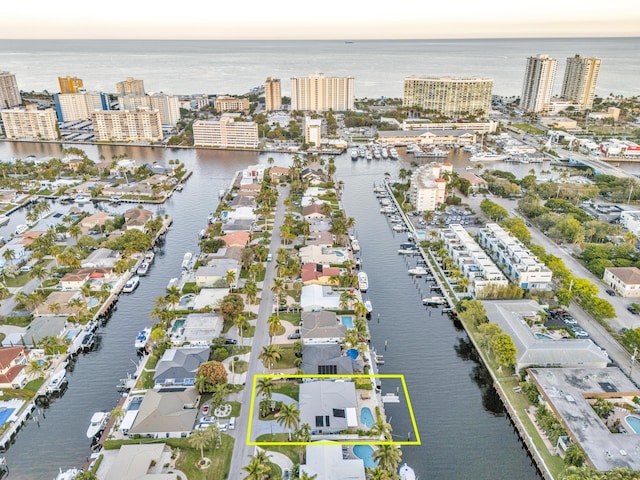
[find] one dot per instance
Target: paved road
(242, 451)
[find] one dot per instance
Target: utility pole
(633, 360)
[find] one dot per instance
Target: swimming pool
(542, 336)
(92, 302)
(71, 334)
(347, 321)
(177, 325)
(365, 453)
(5, 414)
(366, 417)
(633, 422)
(186, 299)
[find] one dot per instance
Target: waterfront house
(245, 224)
(240, 213)
(140, 462)
(12, 363)
(318, 274)
(312, 177)
(236, 239)
(96, 220)
(249, 190)
(178, 366)
(253, 174)
(322, 239)
(321, 327)
(325, 358)
(314, 211)
(315, 298)
(196, 328)
(59, 303)
(328, 407)
(214, 274)
(624, 280)
(476, 182)
(40, 327)
(327, 461)
(276, 173)
(75, 280)
(318, 225)
(169, 413)
(325, 256)
(101, 258)
(137, 218)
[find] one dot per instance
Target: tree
(288, 417)
(230, 278)
(388, 457)
(472, 311)
(504, 350)
(256, 469)
(269, 356)
(173, 296)
(231, 306)
(575, 456)
(517, 227)
(199, 439)
(274, 326)
(278, 290)
(265, 387)
(241, 322)
(213, 372)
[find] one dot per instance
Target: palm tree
(173, 296)
(251, 291)
(274, 325)
(241, 322)
(288, 417)
(265, 387)
(9, 255)
(388, 457)
(75, 231)
(199, 439)
(360, 310)
(33, 368)
(40, 273)
(379, 474)
(269, 356)
(278, 290)
(230, 278)
(256, 469)
(380, 429)
(346, 297)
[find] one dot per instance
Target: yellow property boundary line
(416, 434)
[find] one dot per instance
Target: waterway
(462, 424)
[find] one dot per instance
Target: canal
(462, 424)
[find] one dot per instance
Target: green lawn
(26, 393)
(17, 321)
(18, 281)
(286, 357)
(293, 452)
(290, 389)
(292, 318)
(249, 331)
(240, 366)
(525, 127)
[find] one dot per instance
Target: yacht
(58, 379)
(368, 305)
(354, 154)
(368, 155)
(418, 271)
(81, 199)
(431, 301)
(142, 269)
(20, 229)
(385, 153)
(487, 157)
(179, 187)
(393, 153)
(406, 473)
(88, 341)
(186, 260)
(131, 284)
(172, 283)
(142, 338)
(355, 245)
(149, 256)
(363, 281)
(97, 424)
(68, 474)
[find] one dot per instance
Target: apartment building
(538, 83)
(624, 280)
(428, 188)
(130, 86)
(317, 93)
(424, 124)
(70, 84)
(30, 123)
(231, 104)
(312, 131)
(580, 79)
(449, 95)
(79, 106)
(139, 125)
(474, 263)
(225, 133)
(272, 94)
(167, 105)
(520, 265)
(9, 91)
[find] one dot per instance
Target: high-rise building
(272, 94)
(139, 125)
(449, 95)
(79, 106)
(30, 123)
(167, 105)
(9, 91)
(538, 83)
(225, 103)
(70, 84)
(580, 79)
(130, 86)
(225, 133)
(313, 131)
(318, 93)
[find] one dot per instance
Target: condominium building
(130, 86)
(79, 106)
(521, 266)
(538, 83)
(139, 125)
(485, 278)
(312, 131)
(167, 105)
(272, 94)
(449, 95)
(580, 79)
(317, 93)
(30, 124)
(9, 91)
(70, 84)
(231, 104)
(428, 188)
(225, 133)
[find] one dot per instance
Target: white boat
(97, 423)
(202, 233)
(142, 338)
(368, 155)
(488, 157)
(4, 220)
(393, 153)
(172, 283)
(186, 260)
(58, 379)
(418, 271)
(20, 229)
(149, 256)
(385, 153)
(368, 306)
(469, 168)
(363, 281)
(81, 199)
(142, 269)
(434, 301)
(68, 474)
(354, 154)
(355, 245)
(409, 251)
(406, 473)
(179, 187)
(131, 284)
(399, 228)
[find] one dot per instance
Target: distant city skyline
(332, 19)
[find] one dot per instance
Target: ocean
(234, 67)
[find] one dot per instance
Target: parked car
(293, 336)
(633, 310)
(232, 423)
(230, 341)
(205, 409)
(581, 333)
(286, 474)
(611, 292)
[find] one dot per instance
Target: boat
(406, 473)
(409, 251)
(131, 284)
(172, 283)
(393, 153)
(149, 256)
(81, 199)
(368, 306)
(88, 341)
(4, 220)
(202, 233)
(97, 424)
(418, 271)
(469, 168)
(66, 199)
(363, 281)
(142, 269)
(399, 228)
(142, 338)
(114, 199)
(20, 229)
(355, 245)
(68, 474)
(432, 301)
(385, 153)
(487, 157)
(179, 187)
(354, 154)
(58, 379)
(186, 260)
(368, 155)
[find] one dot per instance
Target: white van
(232, 423)
(269, 257)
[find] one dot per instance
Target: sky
(323, 19)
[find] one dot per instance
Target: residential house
(316, 273)
(323, 239)
(12, 363)
(169, 413)
(236, 239)
(141, 462)
(249, 189)
(314, 211)
(326, 359)
(101, 258)
(321, 326)
(312, 177)
(214, 275)
(477, 183)
(326, 461)
(75, 280)
(96, 220)
(196, 329)
(137, 218)
(328, 407)
(624, 280)
(59, 303)
(40, 327)
(178, 366)
(253, 174)
(276, 173)
(326, 256)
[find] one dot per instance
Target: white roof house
(328, 407)
(318, 297)
(326, 463)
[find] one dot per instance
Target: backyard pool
(347, 321)
(177, 325)
(186, 299)
(5, 414)
(92, 302)
(365, 452)
(633, 422)
(542, 336)
(71, 334)
(366, 417)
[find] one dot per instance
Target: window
(327, 369)
(339, 413)
(319, 421)
(327, 423)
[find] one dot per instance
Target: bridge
(598, 166)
